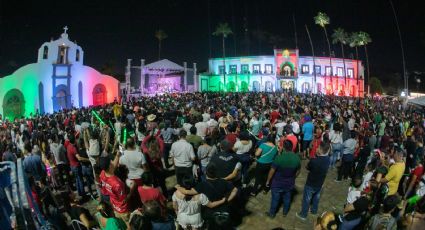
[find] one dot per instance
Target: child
(354, 191)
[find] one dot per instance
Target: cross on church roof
(65, 29)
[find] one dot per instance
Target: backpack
(383, 222)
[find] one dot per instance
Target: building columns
(185, 76)
(127, 78)
(195, 78)
(142, 76)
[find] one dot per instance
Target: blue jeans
(88, 174)
(311, 195)
(79, 183)
(277, 195)
(336, 153)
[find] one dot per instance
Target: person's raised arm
(107, 139)
(410, 187)
(86, 138)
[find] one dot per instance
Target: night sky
(112, 31)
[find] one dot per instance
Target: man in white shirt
(201, 129)
(183, 157)
(135, 162)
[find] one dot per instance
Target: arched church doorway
(14, 104)
(61, 99)
(99, 94)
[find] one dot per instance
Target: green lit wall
(234, 82)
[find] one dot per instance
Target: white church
(58, 80)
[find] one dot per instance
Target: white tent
(163, 66)
(418, 101)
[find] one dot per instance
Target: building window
(221, 69)
(305, 69)
(328, 71)
(63, 55)
(340, 72)
(77, 55)
(269, 68)
(256, 68)
(318, 69)
(350, 73)
(244, 68)
(45, 52)
(233, 69)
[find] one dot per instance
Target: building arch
(305, 87)
(99, 94)
(287, 69)
(80, 94)
(231, 86)
(45, 52)
(319, 87)
(14, 104)
(41, 98)
(268, 86)
(244, 86)
(256, 86)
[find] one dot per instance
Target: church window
(77, 55)
(62, 56)
(45, 52)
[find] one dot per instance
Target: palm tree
(354, 43)
(341, 37)
(322, 20)
(223, 30)
(363, 40)
(160, 35)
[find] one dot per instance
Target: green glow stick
(97, 117)
(113, 129)
(125, 136)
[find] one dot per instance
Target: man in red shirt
(274, 115)
(73, 157)
(113, 187)
(231, 137)
(288, 136)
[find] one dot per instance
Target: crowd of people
(223, 149)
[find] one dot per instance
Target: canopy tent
(163, 67)
(417, 101)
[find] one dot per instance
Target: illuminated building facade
(284, 71)
(58, 80)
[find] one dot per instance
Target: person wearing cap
(183, 156)
(395, 172)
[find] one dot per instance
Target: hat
(151, 117)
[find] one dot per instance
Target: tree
(354, 43)
(322, 20)
(375, 85)
(160, 35)
(223, 30)
(363, 40)
(341, 37)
